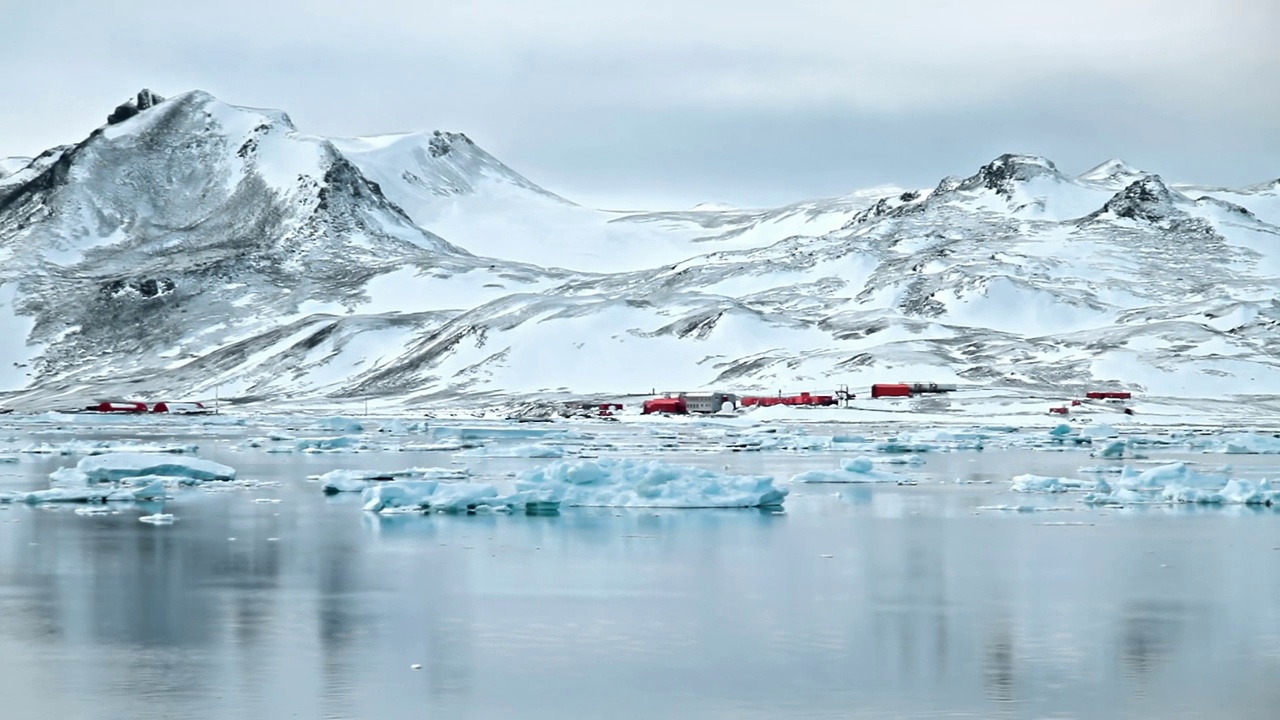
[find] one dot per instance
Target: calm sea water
(857, 601)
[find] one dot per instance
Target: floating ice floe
(342, 444)
(1049, 484)
(639, 483)
(1101, 469)
(1178, 483)
(436, 496)
(340, 425)
(340, 481)
(104, 494)
(1023, 508)
(516, 451)
(84, 447)
(403, 427)
(584, 483)
(157, 519)
(1247, 444)
(948, 439)
(495, 432)
(857, 470)
(8, 459)
(446, 446)
(1099, 432)
(118, 467)
(1116, 450)
(903, 447)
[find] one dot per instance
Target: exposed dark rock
(145, 100)
(144, 288)
(1006, 171)
(442, 143)
(1148, 199)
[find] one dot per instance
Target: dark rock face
(1006, 171)
(140, 288)
(145, 100)
(442, 143)
(122, 112)
(1147, 199)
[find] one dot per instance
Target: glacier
(196, 249)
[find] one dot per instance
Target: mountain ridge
(191, 246)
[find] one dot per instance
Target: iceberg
(341, 444)
(118, 467)
(1117, 449)
(149, 491)
(858, 470)
(516, 451)
(340, 481)
(650, 484)
(1043, 484)
(1248, 444)
(81, 447)
(435, 496)
(340, 425)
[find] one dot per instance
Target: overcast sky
(673, 102)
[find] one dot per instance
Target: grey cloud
(665, 101)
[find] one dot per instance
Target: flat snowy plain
(897, 569)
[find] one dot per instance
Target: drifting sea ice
(1117, 449)
(516, 451)
(435, 496)
(638, 483)
(118, 467)
(102, 447)
(857, 470)
(1247, 444)
(340, 481)
(342, 444)
(584, 483)
(340, 425)
(1166, 483)
(150, 491)
(1047, 484)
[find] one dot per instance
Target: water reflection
(884, 601)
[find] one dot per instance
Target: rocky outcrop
(144, 101)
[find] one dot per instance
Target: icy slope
(449, 185)
(194, 225)
(192, 247)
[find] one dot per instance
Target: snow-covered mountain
(190, 245)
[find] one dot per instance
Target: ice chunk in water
(338, 481)
(116, 467)
(637, 483)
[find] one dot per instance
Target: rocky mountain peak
(1006, 171)
(1147, 199)
(144, 100)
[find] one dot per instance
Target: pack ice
(586, 483)
(122, 477)
(857, 470)
(1171, 483)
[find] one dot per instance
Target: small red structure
(1076, 403)
(1109, 395)
(1059, 411)
(606, 409)
(118, 407)
(667, 405)
(890, 390)
(179, 408)
(804, 399)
